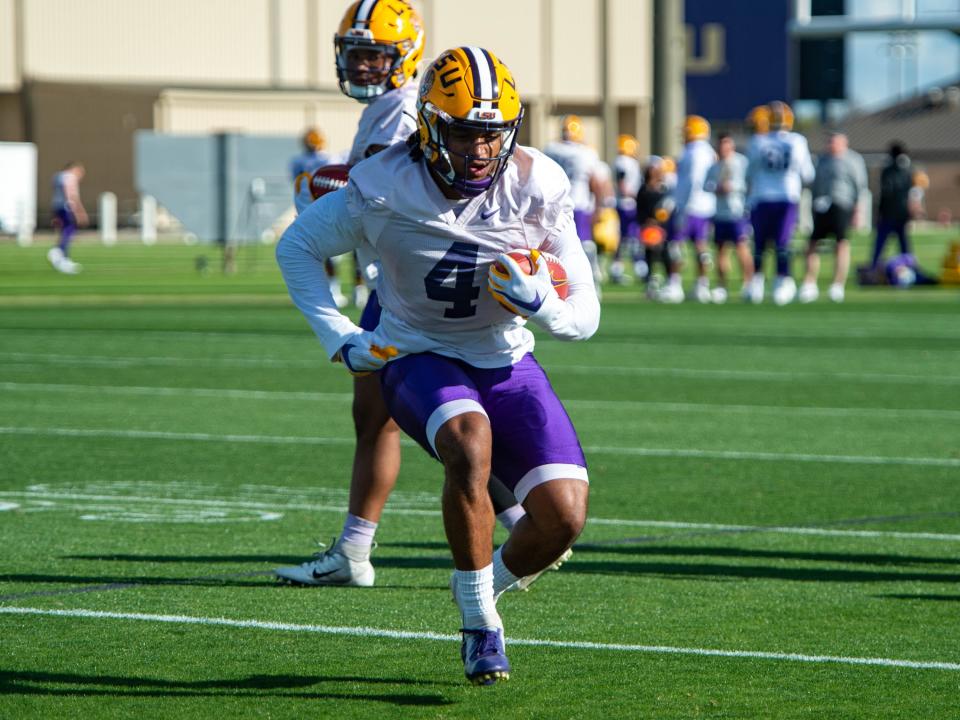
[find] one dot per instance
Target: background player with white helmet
(779, 165)
(457, 368)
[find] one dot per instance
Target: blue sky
(872, 77)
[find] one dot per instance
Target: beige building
(78, 77)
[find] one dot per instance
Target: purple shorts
(533, 438)
(773, 221)
(628, 223)
(694, 228)
(584, 223)
(725, 231)
(370, 317)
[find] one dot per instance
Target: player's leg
(785, 288)
(884, 228)
(698, 230)
(744, 255)
(822, 225)
(761, 218)
(330, 268)
(901, 230)
(360, 292)
(838, 287)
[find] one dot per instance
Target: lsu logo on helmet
(377, 46)
(467, 89)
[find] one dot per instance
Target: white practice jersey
(387, 120)
(435, 262)
(690, 196)
(580, 163)
(779, 165)
(732, 172)
(627, 175)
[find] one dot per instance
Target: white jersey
(690, 196)
(779, 165)
(628, 180)
(435, 261)
(580, 164)
(387, 120)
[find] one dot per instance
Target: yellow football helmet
(314, 140)
(781, 116)
(627, 145)
(467, 89)
(571, 128)
(695, 128)
(378, 46)
(758, 120)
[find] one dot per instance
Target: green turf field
(774, 527)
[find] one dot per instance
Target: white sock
(502, 577)
(358, 536)
(511, 516)
(674, 278)
(474, 590)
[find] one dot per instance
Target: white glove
(520, 293)
(365, 353)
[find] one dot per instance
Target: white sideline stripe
(623, 522)
(723, 374)
(406, 635)
(598, 449)
(285, 395)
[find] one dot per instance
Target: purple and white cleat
(484, 659)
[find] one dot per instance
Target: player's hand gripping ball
(522, 280)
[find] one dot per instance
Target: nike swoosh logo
(317, 575)
(488, 215)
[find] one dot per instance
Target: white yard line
(306, 505)
(287, 395)
(589, 449)
(369, 632)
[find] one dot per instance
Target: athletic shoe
(360, 296)
(69, 267)
(640, 270)
(756, 289)
(784, 291)
(332, 567)
(524, 583)
(484, 658)
(808, 292)
(718, 295)
(55, 257)
(672, 293)
(617, 272)
(836, 292)
(702, 293)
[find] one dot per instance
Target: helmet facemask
(367, 69)
(440, 155)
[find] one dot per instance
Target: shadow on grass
(920, 596)
(68, 684)
(444, 562)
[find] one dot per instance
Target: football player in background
(68, 215)
(455, 364)
(727, 179)
(778, 167)
(589, 186)
(694, 207)
(302, 167)
(628, 177)
(654, 205)
(840, 180)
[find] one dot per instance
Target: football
(328, 178)
(557, 274)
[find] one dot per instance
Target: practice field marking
(597, 449)
(285, 396)
(719, 374)
(49, 496)
(369, 632)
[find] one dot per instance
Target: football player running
(455, 366)
(694, 207)
(779, 165)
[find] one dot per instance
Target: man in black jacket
(896, 207)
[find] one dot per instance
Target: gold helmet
(467, 88)
(695, 128)
(627, 145)
(758, 120)
(571, 128)
(781, 116)
(314, 140)
(378, 46)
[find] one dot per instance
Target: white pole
(108, 218)
(25, 225)
(148, 219)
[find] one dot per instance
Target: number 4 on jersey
(461, 262)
